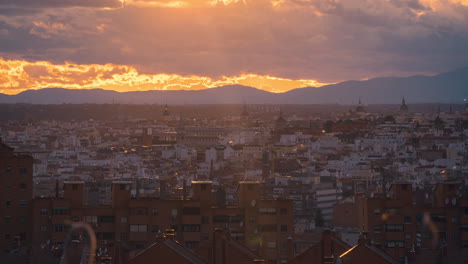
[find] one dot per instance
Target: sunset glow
(19, 75)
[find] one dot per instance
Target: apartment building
(404, 228)
(263, 225)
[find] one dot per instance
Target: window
(394, 228)
(439, 218)
(454, 219)
(123, 220)
(139, 211)
(252, 219)
(91, 219)
(191, 228)
(22, 186)
(75, 218)
(7, 219)
(284, 228)
(43, 228)
(283, 211)
(8, 204)
(22, 219)
(138, 228)
(407, 220)
(44, 212)
(377, 228)
(395, 244)
(59, 228)
(191, 244)
(7, 236)
(267, 210)
(271, 244)
(407, 236)
(205, 220)
(23, 171)
(106, 219)
(124, 236)
(60, 211)
(376, 211)
(154, 228)
(22, 204)
(154, 211)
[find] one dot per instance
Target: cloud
(60, 3)
(324, 40)
(20, 75)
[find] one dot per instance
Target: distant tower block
(360, 107)
(166, 111)
(403, 106)
(466, 105)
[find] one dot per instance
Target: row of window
(22, 171)
(9, 219)
(21, 236)
(21, 203)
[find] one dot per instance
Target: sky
(273, 45)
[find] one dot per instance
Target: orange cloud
(20, 75)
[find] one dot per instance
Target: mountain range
(449, 87)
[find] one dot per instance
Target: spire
(360, 107)
(403, 106)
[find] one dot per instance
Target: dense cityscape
(237, 184)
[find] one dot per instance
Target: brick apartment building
(404, 228)
(261, 224)
(15, 198)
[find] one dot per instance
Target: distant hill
(450, 87)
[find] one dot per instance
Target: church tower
(360, 108)
(403, 106)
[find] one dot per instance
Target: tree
(319, 222)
